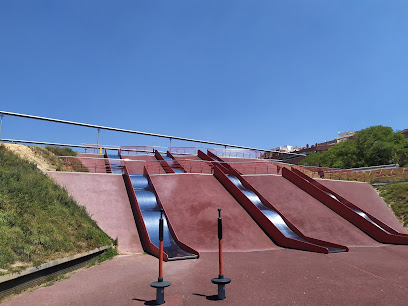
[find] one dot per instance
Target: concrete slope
(251, 165)
(194, 164)
(191, 202)
(309, 215)
(94, 162)
(106, 200)
(365, 197)
(135, 163)
(187, 157)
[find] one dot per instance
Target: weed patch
(39, 221)
(107, 255)
(396, 196)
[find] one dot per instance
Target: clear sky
(253, 73)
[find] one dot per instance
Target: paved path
(363, 276)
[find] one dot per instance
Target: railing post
(1, 123)
(98, 149)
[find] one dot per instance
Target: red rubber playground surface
(363, 276)
(262, 273)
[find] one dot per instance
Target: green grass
(107, 255)
(61, 151)
(396, 196)
(51, 154)
(39, 221)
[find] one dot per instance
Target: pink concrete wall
(191, 202)
(190, 157)
(93, 162)
(251, 165)
(107, 202)
(313, 218)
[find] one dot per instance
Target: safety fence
(237, 153)
(187, 166)
(185, 150)
(255, 167)
(389, 175)
(85, 164)
(101, 165)
(97, 149)
(370, 176)
(137, 150)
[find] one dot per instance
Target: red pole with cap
(220, 242)
(221, 281)
(160, 284)
(161, 245)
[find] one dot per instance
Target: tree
(373, 146)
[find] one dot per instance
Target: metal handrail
(100, 127)
(43, 143)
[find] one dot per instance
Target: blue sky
(253, 73)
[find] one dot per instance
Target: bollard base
(221, 281)
(160, 285)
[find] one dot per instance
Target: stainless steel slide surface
(151, 214)
(115, 163)
(362, 214)
(172, 164)
(272, 215)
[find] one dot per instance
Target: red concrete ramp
(194, 164)
(186, 157)
(191, 202)
(252, 166)
(106, 200)
(308, 214)
(365, 197)
(362, 219)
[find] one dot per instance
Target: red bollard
(160, 284)
(221, 281)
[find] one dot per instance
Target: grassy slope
(39, 221)
(51, 155)
(396, 195)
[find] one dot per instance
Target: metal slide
(150, 209)
(115, 162)
(268, 218)
(273, 216)
(172, 164)
(361, 219)
(362, 214)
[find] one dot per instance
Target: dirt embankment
(27, 153)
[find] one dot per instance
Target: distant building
(345, 136)
(283, 149)
(285, 153)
